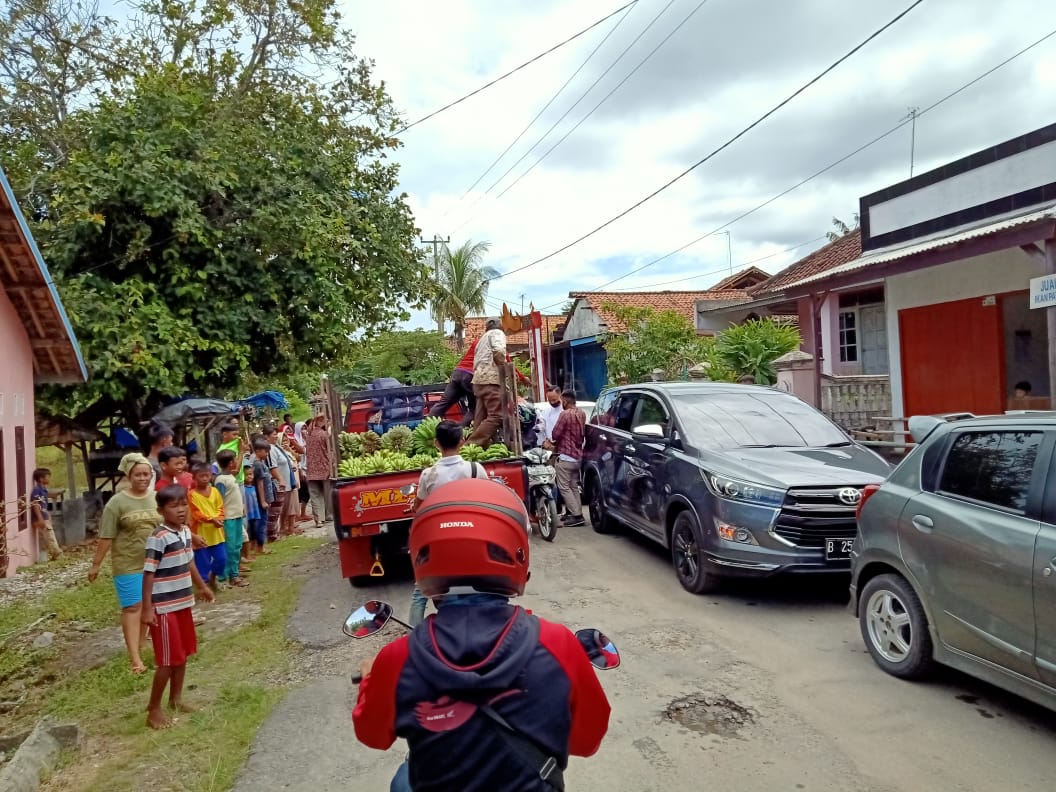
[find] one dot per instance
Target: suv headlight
(743, 491)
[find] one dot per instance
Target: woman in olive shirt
(128, 519)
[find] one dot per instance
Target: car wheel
(895, 628)
(546, 516)
(600, 520)
(687, 556)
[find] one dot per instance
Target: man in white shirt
(487, 384)
(548, 418)
(450, 467)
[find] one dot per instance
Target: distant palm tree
(462, 284)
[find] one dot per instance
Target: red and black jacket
(424, 687)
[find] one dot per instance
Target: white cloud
(730, 63)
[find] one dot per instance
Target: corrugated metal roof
(936, 241)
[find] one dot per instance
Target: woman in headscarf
(128, 519)
(303, 494)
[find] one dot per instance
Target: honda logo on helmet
(457, 524)
(849, 495)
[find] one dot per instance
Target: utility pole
(522, 305)
(912, 116)
(435, 241)
(729, 250)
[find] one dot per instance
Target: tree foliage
(667, 340)
(842, 229)
(210, 186)
(462, 280)
(413, 357)
(752, 347)
(655, 340)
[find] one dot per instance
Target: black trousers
(459, 389)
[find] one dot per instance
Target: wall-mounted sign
(1043, 292)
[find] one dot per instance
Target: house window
(848, 336)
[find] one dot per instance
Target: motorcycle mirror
(407, 490)
(367, 619)
(600, 650)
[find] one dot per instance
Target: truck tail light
(867, 493)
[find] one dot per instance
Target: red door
(952, 358)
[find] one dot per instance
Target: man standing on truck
(488, 361)
(459, 388)
(450, 467)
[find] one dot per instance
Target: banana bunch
(371, 443)
(399, 439)
(424, 460)
(475, 453)
(350, 444)
(423, 436)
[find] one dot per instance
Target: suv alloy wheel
(895, 628)
(686, 555)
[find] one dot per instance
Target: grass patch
(230, 678)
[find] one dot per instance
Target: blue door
(588, 369)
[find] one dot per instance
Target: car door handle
(603, 437)
(923, 524)
(629, 450)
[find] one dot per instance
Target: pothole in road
(717, 715)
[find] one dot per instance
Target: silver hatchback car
(956, 555)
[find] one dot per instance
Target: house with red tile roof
(516, 343)
(577, 358)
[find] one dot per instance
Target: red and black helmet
(470, 535)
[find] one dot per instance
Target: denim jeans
(401, 782)
(418, 603)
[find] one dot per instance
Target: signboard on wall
(1043, 292)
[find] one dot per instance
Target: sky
(693, 75)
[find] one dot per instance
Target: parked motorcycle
(373, 615)
(542, 492)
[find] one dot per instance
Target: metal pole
(912, 136)
(729, 250)
(436, 240)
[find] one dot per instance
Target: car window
(650, 413)
(740, 420)
(625, 411)
(993, 467)
(604, 412)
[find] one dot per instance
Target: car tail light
(867, 493)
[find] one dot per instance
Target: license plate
(838, 549)
(541, 470)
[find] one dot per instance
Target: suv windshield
(739, 420)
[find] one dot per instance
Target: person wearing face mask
(548, 418)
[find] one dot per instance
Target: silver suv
(956, 555)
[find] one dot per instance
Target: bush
(752, 348)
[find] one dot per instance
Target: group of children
(224, 515)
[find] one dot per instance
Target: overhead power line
(582, 96)
(724, 146)
(544, 108)
(513, 71)
(834, 164)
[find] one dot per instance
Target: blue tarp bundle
(266, 400)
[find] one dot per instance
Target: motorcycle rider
(487, 695)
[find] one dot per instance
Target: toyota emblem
(849, 495)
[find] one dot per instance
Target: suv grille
(810, 516)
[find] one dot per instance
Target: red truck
(372, 520)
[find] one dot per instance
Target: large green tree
(210, 186)
(463, 284)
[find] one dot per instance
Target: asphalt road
(763, 687)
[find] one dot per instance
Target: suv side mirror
(651, 432)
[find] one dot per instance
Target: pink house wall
(16, 409)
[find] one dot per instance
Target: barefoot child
(168, 573)
(256, 520)
(207, 522)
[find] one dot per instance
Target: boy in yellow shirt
(207, 523)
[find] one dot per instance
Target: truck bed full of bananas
(401, 448)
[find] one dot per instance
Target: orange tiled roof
(684, 302)
(476, 326)
(745, 279)
(846, 248)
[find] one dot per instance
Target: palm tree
(462, 284)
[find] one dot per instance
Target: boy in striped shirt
(168, 574)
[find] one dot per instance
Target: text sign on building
(1043, 292)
